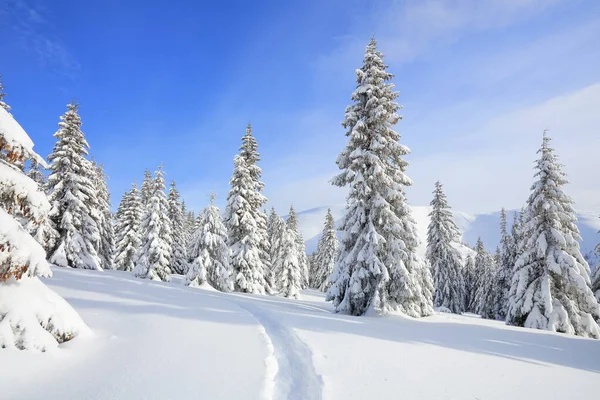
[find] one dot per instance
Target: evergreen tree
(292, 223)
(287, 270)
(325, 257)
(485, 273)
(378, 267)
(127, 230)
(249, 152)
(73, 197)
(105, 219)
(445, 261)
(244, 222)
(43, 231)
(470, 282)
(179, 251)
(506, 262)
(147, 188)
(551, 285)
(596, 277)
(213, 252)
(32, 317)
(36, 174)
(2, 103)
(276, 230)
(153, 257)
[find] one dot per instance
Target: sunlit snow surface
(164, 341)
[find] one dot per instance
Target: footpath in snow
(157, 340)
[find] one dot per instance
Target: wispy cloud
(35, 32)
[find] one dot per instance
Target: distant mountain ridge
(472, 226)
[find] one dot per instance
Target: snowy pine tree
(378, 267)
(276, 228)
(470, 282)
(551, 286)
(213, 252)
(292, 223)
(105, 219)
(325, 257)
(445, 261)
(287, 269)
(127, 230)
(73, 197)
(485, 279)
(147, 188)
(506, 264)
(179, 251)
(32, 317)
(153, 257)
(596, 277)
(244, 221)
(2, 95)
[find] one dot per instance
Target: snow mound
(33, 317)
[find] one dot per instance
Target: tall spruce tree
(73, 196)
(211, 253)
(292, 223)
(32, 316)
(596, 277)
(551, 286)
(127, 230)
(106, 247)
(154, 256)
(485, 274)
(245, 225)
(325, 257)
(287, 270)
(276, 230)
(445, 261)
(175, 216)
(2, 95)
(147, 188)
(470, 282)
(378, 267)
(506, 264)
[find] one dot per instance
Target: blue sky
(177, 81)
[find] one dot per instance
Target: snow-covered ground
(164, 341)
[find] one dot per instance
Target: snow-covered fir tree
(212, 249)
(325, 257)
(32, 317)
(43, 231)
(249, 152)
(179, 251)
(445, 261)
(287, 269)
(73, 196)
(378, 266)
(470, 282)
(596, 277)
(154, 255)
(485, 282)
(276, 227)
(2, 95)
(313, 279)
(292, 223)
(506, 263)
(147, 188)
(551, 287)
(127, 230)
(105, 219)
(244, 223)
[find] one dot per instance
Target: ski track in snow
(294, 374)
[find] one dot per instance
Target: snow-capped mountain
(472, 226)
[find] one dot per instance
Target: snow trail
(296, 377)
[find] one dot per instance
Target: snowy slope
(164, 341)
(471, 225)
